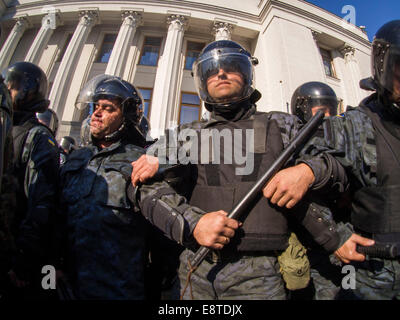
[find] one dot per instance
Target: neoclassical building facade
(153, 44)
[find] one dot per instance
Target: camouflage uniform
(241, 275)
(325, 268)
(351, 140)
(106, 241)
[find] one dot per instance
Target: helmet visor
(229, 62)
(330, 102)
(30, 82)
(103, 86)
(391, 72)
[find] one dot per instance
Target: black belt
(393, 238)
(217, 256)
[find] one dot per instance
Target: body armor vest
(376, 209)
(218, 186)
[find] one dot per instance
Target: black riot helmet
(110, 87)
(313, 94)
(30, 82)
(229, 56)
(49, 119)
(68, 144)
(144, 126)
(385, 59)
(106, 86)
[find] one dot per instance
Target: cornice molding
(264, 9)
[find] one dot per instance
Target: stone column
(49, 24)
(87, 20)
(131, 20)
(12, 41)
(166, 82)
(222, 30)
(353, 71)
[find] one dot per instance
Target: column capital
(315, 34)
(347, 49)
(222, 30)
(348, 52)
(177, 20)
(88, 17)
(22, 23)
(132, 18)
(52, 20)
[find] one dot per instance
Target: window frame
(187, 50)
(327, 54)
(142, 51)
(189, 105)
(100, 52)
(150, 101)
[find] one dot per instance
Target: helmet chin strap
(229, 107)
(117, 134)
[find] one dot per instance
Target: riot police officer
(5, 127)
(50, 119)
(245, 257)
(107, 241)
(8, 185)
(312, 96)
(85, 132)
(365, 142)
(326, 275)
(67, 145)
(144, 125)
(35, 165)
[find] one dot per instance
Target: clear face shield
(308, 106)
(231, 62)
(100, 86)
(391, 73)
(328, 102)
(111, 88)
(27, 86)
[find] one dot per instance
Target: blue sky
(370, 13)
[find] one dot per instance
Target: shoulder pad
(350, 108)
(44, 135)
(80, 154)
(282, 115)
(131, 153)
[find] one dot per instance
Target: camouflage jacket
(170, 212)
(105, 241)
(350, 139)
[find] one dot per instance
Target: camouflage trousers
(326, 275)
(244, 278)
(376, 279)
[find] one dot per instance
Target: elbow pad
(160, 214)
(335, 177)
(319, 223)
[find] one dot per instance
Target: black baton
(237, 211)
(380, 250)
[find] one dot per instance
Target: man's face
(225, 86)
(396, 84)
(107, 117)
(325, 109)
(13, 94)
